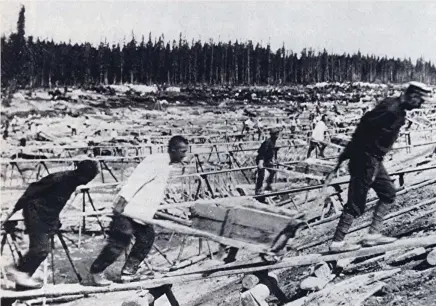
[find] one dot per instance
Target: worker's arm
(35, 190)
(345, 154)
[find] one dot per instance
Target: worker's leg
(39, 247)
(120, 234)
(321, 147)
(363, 170)
(312, 146)
(259, 180)
(145, 236)
(270, 179)
(385, 190)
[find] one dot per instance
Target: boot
(127, 277)
(22, 279)
(342, 246)
(376, 239)
(99, 279)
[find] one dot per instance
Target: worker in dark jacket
(265, 158)
(374, 136)
(42, 202)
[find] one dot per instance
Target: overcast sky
(399, 29)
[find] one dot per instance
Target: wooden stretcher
(239, 222)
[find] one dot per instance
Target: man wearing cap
(266, 154)
(374, 136)
(42, 202)
(317, 139)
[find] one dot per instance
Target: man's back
(379, 128)
(145, 189)
(49, 195)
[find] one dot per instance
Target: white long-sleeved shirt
(145, 189)
(318, 131)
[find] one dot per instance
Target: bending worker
(373, 138)
(141, 196)
(42, 202)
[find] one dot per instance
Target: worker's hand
(9, 226)
(260, 165)
(120, 204)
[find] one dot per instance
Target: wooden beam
(303, 260)
(366, 224)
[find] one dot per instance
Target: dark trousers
(313, 145)
(122, 230)
(367, 172)
(261, 177)
(40, 234)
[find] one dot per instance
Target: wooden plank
(228, 223)
(248, 225)
(73, 289)
(408, 255)
(348, 292)
(366, 224)
(243, 216)
(308, 259)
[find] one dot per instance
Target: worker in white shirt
(317, 138)
(140, 197)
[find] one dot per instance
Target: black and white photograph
(218, 153)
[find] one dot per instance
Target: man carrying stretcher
(140, 196)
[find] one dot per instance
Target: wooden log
(366, 224)
(364, 263)
(344, 293)
(315, 166)
(321, 276)
(308, 259)
(73, 289)
(255, 296)
(313, 283)
(431, 258)
(359, 299)
(408, 255)
(249, 281)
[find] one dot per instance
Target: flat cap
(275, 129)
(418, 87)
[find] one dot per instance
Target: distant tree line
(29, 63)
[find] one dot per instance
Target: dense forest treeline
(27, 62)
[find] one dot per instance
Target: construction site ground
(414, 285)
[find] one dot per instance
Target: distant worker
(258, 126)
(317, 139)
(140, 197)
(373, 138)
(266, 155)
(42, 202)
(247, 126)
